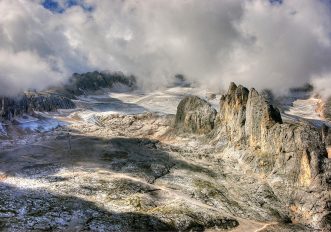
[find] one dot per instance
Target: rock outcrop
(80, 84)
(32, 101)
(290, 158)
(195, 115)
(245, 116)
(327, 109)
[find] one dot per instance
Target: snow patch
(306, 109)
(42, 125)
(2, 130)
(137, 102)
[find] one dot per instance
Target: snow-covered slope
(136, 102)
(302, 105)
(160, 101)
(307, 109)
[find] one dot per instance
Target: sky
(273, 44)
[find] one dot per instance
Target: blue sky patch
(55, 6)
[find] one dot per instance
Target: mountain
(236, 166)
(290, 158)
(61, 97)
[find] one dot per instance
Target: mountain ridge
(290, 155)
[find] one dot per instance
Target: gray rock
(327, 109)
(232, 114)
(195, 115)
(32, 101)
(80, 84)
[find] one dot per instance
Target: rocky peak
(245, 115)
(289, 156)
(260, 117)
(233, 110)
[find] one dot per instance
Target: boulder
(195, 115)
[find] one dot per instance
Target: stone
(195, 115)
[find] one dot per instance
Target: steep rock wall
(291, 156)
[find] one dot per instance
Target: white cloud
(212, 42)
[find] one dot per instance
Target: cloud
(34, 52)
(254, 42)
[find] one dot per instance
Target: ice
(25, 119)
(163, 101)
(42, 125)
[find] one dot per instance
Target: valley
(118, 162)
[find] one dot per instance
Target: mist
(257, 43)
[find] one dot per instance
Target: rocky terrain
(241, 168)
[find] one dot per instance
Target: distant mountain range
(61, 97)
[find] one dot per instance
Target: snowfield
(136, 102)
(303, 106)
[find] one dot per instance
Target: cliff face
(246, 117)
(291, 158)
